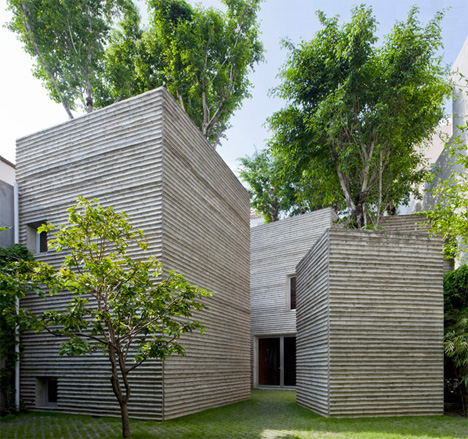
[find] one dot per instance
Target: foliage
(268, 414)
(122, 306)
(277, 189)
(9, 321)
(356, 111)
(456, 331)
(448, 216)
(66, 38)
(268, 195)
(202, 56)
(456, 315)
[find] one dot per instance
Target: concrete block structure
(143, 156)
(370, 324)
(276, 249)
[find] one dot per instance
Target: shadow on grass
(270, 414)
(275, 414)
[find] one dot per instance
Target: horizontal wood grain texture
(410, 224)
(206, 238)
(385, 334)
(276, 248)
(194, 213)
(386, 324)
(312, 340)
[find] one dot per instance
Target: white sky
(26, 108)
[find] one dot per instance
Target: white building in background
(7, 182)
(437, 154)
(7, 171)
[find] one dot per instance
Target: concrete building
(451, 133)
(143, 156)
(276, 249)
(352, 319)
(7, 181)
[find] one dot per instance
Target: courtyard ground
(270, 414)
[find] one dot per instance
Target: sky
(26, 108)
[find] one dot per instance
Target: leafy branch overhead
(201, 55)
(358, 114)
(67, 41)
(121, 305)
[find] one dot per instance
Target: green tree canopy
(201, 55)
(67, 39)
(125, 307)
(278, 189)
(448, 216)
(358, 113)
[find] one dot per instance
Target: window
(36, 242)
(292, 292)
(46, 392)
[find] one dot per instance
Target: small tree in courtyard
(120, 305)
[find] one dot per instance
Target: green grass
(269, 414)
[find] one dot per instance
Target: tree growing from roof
(268, 195)
(357, 112)
(278, 189)
(119, 305)
(202, 56)
(66, 38)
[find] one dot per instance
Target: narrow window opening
(292, 292)
(36, 242)
(52, 391)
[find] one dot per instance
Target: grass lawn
(269, 414)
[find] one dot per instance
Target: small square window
(46, 392)
(292, 292)
(36, 242)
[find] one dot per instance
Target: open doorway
(277, 361)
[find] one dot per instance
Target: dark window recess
(52, 391)
(42, 242)
(46, 392)
(292, 291)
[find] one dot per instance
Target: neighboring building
(143, 156)
(437, 154)
(7, 181)
(255, 219)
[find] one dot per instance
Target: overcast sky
(26, 108)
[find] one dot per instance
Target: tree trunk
(125, 420)
(43, 62)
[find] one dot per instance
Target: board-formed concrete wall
(275, 250)
(378, 349)
(144, 156)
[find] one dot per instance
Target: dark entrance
(277, 361)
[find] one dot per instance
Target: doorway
(277, 361)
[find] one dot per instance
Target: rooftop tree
(360, 113)
(66, 38)
(203, 56)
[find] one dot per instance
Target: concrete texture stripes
(380, 339)
(144, 156)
